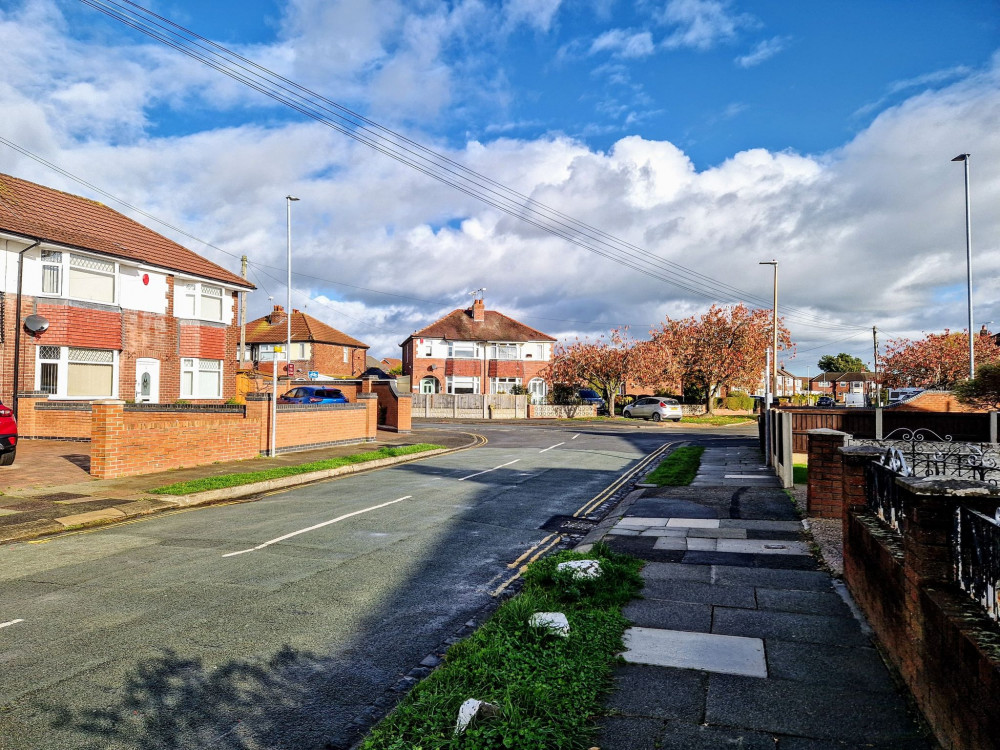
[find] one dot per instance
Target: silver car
(654, 408)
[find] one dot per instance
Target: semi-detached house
(94, 305)
(477, 351)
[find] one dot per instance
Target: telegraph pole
(243, 316)
(878, 390)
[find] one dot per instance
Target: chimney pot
(478, 311)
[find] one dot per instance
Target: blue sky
(711, 133)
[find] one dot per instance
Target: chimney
(278, 314)
(478, 311)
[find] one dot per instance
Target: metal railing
(976, 551)
(923, 453)
(884, 500)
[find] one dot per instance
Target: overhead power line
(435, 165)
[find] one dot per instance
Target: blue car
(590, 396)
(311, 394)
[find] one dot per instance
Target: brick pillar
(366, 385)
(823, 498)
(27, 419)
(852, 478)
(107, 438)
(258, 414)
(370, 400)
(404, 413)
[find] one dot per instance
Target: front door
(147, 381)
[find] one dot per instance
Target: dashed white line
(489, 470)
(551, 447)
(317, 526)
(575, 436)
(8, 624)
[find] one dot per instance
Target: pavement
(741, 640)
(48, 488)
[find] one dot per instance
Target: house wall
(442, 367)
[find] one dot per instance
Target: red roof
(458, 325)
(304, 328)
(41, 213)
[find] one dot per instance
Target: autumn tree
(725, 346)
(939, 360)
(843, 362)
(983, 390)
(604, 364)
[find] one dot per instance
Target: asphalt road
(154, 634)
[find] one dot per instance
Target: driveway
(44, 463)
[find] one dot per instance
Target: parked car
(825, 401)
(654, 408)
(311, 394)
(8, 436)
(590, 396)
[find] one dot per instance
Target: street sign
(314, 375)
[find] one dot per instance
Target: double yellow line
(540, 548)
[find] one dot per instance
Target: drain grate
(568, 525)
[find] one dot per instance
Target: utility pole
(878, 390)
(243, 316)
(968, 260)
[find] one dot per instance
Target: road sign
(314, 375)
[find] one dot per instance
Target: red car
(8, 436)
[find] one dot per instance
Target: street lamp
(773, 384)
(968, 260)
(288, 331)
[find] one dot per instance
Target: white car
(654, 408)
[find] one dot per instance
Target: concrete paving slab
(653, 613)
(702, 651)
(788, 626)
(696, 543)
(664, 571)
(654, 692)
(694, 523)
(94, 515)
(624, 532)
(642, 521)
(665, 531)
(670, 543)
(629, 733)
(680, 736)
(703, 593)
(760, 525)
(807, 602)
(795, 580)
(747, 560)
(846, 668)
(671, 507)
(718, 533)
(762, 546)
(808, 710)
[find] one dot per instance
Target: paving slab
(807, 602)
(644, 521)
(658, 693)
(846, 668)
(630, 733)
(746, 560)
(788, 626)
(673, 590)
(670, 571)
(671, 507)
(680, 736)
(797, 580)
(94, 515)
(687, 616)
(763, 547)
(760, 525)
(807, 710)
(703, 651)
(670, 543)
(693, 523)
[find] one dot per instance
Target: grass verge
(234, 480)
(679, 468)
(800, 474)
(718, 420)
(548, 688)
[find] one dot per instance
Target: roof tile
(458, 325)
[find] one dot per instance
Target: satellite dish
(36, 323)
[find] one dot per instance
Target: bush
(737, 401)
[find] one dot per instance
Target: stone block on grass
(581, 568)
(554, 622)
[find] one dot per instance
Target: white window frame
(463, 381)
(194, 366)
(465, 346)
(67, 355)
(347, 354)
(62, 262)
(196, 292)
(502, 385)
(505, 351)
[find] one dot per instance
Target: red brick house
(477, 351)
(316, 347)
(95, 305)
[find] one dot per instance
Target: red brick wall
(328, 359)
(33, 422)
(301, 428)
(78, 326)
(824, 493)
(398, 409)
(421, 368)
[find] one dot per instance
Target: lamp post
(773, 382)
(288, 262)
(968, 260)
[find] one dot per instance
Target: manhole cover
(568, 525)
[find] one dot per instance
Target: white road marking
(551, 447)
(317, 526)
(489, 470)
(8, 624)
(575, 436)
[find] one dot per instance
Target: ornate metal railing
(976, 549)
(883, 498)
(922, 453)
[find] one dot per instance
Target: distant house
(477, 351)
(838, 384)
(95, 305)
(390, 363)
(316, 346)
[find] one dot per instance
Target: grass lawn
(718, 419)
(548, 688)
(800, 473)
(679, 468)
(234, 480)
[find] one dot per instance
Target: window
(504, 351)
(503, 385)
(537, 389)
(88, 278)
(193, 299)
(462, 349)
(429, 385)
(428, 349)
(347, 354)
(457, 384)
(71, 372)
(301, 350)
(51, 272)
(201, 378)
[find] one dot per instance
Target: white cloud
(701, 24)
(538, 14)
(624, 43)
(764, 50)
